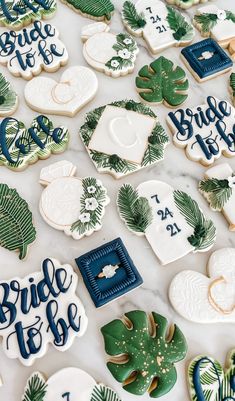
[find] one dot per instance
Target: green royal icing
(218, 192)
(162, 82)
(150, 357)
(8, 98)
(207, 21)
(185, 3)
(98, 9)
(16, 226)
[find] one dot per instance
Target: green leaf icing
(149, 353)
(131, 17)
(18, 13)
(8, 98)
(232, 85)
(162, 82)
(206, 21)
(126, 49)
(103, 393)
(185, 3)
(183, 31)
(97, 9)
(218, 192)
(35, 389)
(16, 226)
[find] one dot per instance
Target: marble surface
(88, 351)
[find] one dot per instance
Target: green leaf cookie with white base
(185, 4)
(160, 25)
(99, 10)
(17, 231)
(162, 82)
(67, 384)
(142, 358)
(123, 137)
(207, 380)
(171, 220)
(8, 98)
(232, 86)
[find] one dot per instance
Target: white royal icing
(224, 29)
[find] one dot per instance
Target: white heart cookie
(77, 86)
(207, 299)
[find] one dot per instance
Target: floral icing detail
(91, 204)
(126, 49)
(85, 217)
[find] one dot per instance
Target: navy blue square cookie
(108, 272)
(206, 59)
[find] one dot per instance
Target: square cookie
(108, 272)
(206, 59)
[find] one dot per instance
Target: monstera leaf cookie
(161, 82)
(160, 25)
(171, 220)
(21, 147)
(70, 204)
(142, 357)
(67, 384)
(17, 231)
(99, 10)
(8, 98)
(208, 381)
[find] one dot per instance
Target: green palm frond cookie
(17, 231)
(8, 98)
(99, 10)
(142, 353)
(214, 23)
(232, 85)
(162, 82)
(35, 389)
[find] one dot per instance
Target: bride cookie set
(43, 309)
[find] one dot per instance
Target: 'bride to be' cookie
(206, 131)
(171, 220)
(70, 204)
(39, 310)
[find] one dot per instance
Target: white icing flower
(109, 271)
(207, 55)
(231, 181)
(114, 63)
(91, 189)
(221, 14)
(125, 54)
(91, 204)
(84, 217)
(127, 41)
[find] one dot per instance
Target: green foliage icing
(150, 355)
(35, 389)
(16, 226)
(103, 393)
(126, 49)
(162, 82)
(131, 17)
(204, 230)
(232, 83)
(206, 376)
(8, 98)
(100, 9)
(133, 209)
(183, 31)
(216, 191)
(208, 21)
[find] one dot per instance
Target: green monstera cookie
(143, 355)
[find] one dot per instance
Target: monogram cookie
(161, 26)
(70, 204)
(171, 220)
(99, 10)
(77, 87)
(21, 146)
(112, 54)
(29, 51)
(123, 137)
(39, 310)
(206, 131)
(8, 98)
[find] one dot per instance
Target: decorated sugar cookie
(39, 310)
(17, 14)
(123, 137)
(206, 131)
(77, 87)
(21, 146)
(218, 188)
(29, 51)
(17, 231)
(141, 356)
(70, 204)
(67, 384)
(99, 10)
(207, 380)
(162, 82)
(108, 272)
(185, 3)
(206, 60)
(8, 98)
(232, 86)
(207, 298)
(107, 52)
(160, 25)
(171, 220)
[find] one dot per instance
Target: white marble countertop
(88, 351)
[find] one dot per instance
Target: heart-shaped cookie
(77, 86)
